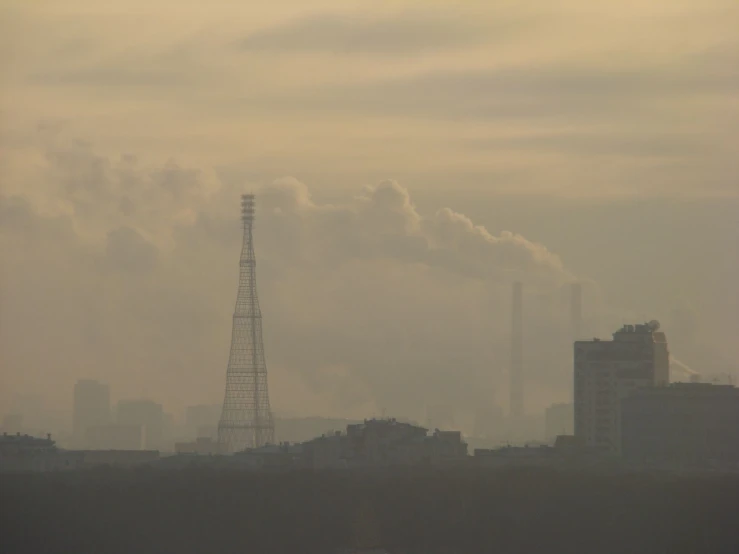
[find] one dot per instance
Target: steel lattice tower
(246, 420)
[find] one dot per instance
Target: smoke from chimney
(576, 311)
(516, 377)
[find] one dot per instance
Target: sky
(410, 160)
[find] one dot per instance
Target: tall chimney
(576, 311)
(516, 382)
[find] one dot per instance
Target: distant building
(271, 456)
(383, 443)
(302, 429)
(538, 456)
(25, 453)
(147, 414)
(201, 445)
(115, 436)
(91, 408)
(209, 431)
(608, 371)
(118, 458)
(330, 451)
(559, 419)
(685, 424)
(202, 416)
(21, 453)
(723, 378)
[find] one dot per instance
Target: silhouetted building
(517, 456)
(115, 436)
(21, 453)
(118, 458)
(382, 443)
(204, 446)
(26, 453)
(147, 414)
(576, 311)
(559, 419)
(722, 378)
(91, 407)
(516, 408)
(608, 371)
(301, 429)
(271, 456)
(684, 424)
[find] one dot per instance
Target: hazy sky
(411, 159)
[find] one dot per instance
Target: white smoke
(134, 268)
(384, 223)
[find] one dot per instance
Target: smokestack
(576, 311)
(516, 383)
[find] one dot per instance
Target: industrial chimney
(516, 376)
(576, 311)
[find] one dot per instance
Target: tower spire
(246, 420)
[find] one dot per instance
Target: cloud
(364, 33)
(384, 223)
(128, 251)
(386, 300)
(527, 92)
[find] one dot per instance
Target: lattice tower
(246, 419)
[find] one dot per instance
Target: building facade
(683, 425)
(91, 408)
(606, 372)
(147, 414)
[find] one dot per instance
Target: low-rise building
(25, 453)
(202, 445)
(516, 456)
(683, 425)
(271, 457)
(382, 443)
(118, 458)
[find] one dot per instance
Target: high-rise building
(147, 414)
(576, 311)
(516, 408)
(91, 408)
(606, 372)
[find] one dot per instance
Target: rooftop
(26, 440)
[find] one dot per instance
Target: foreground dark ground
(210, 511)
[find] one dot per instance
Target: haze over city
(389, 277)
(410, 160)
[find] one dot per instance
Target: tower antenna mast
(246, 420)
